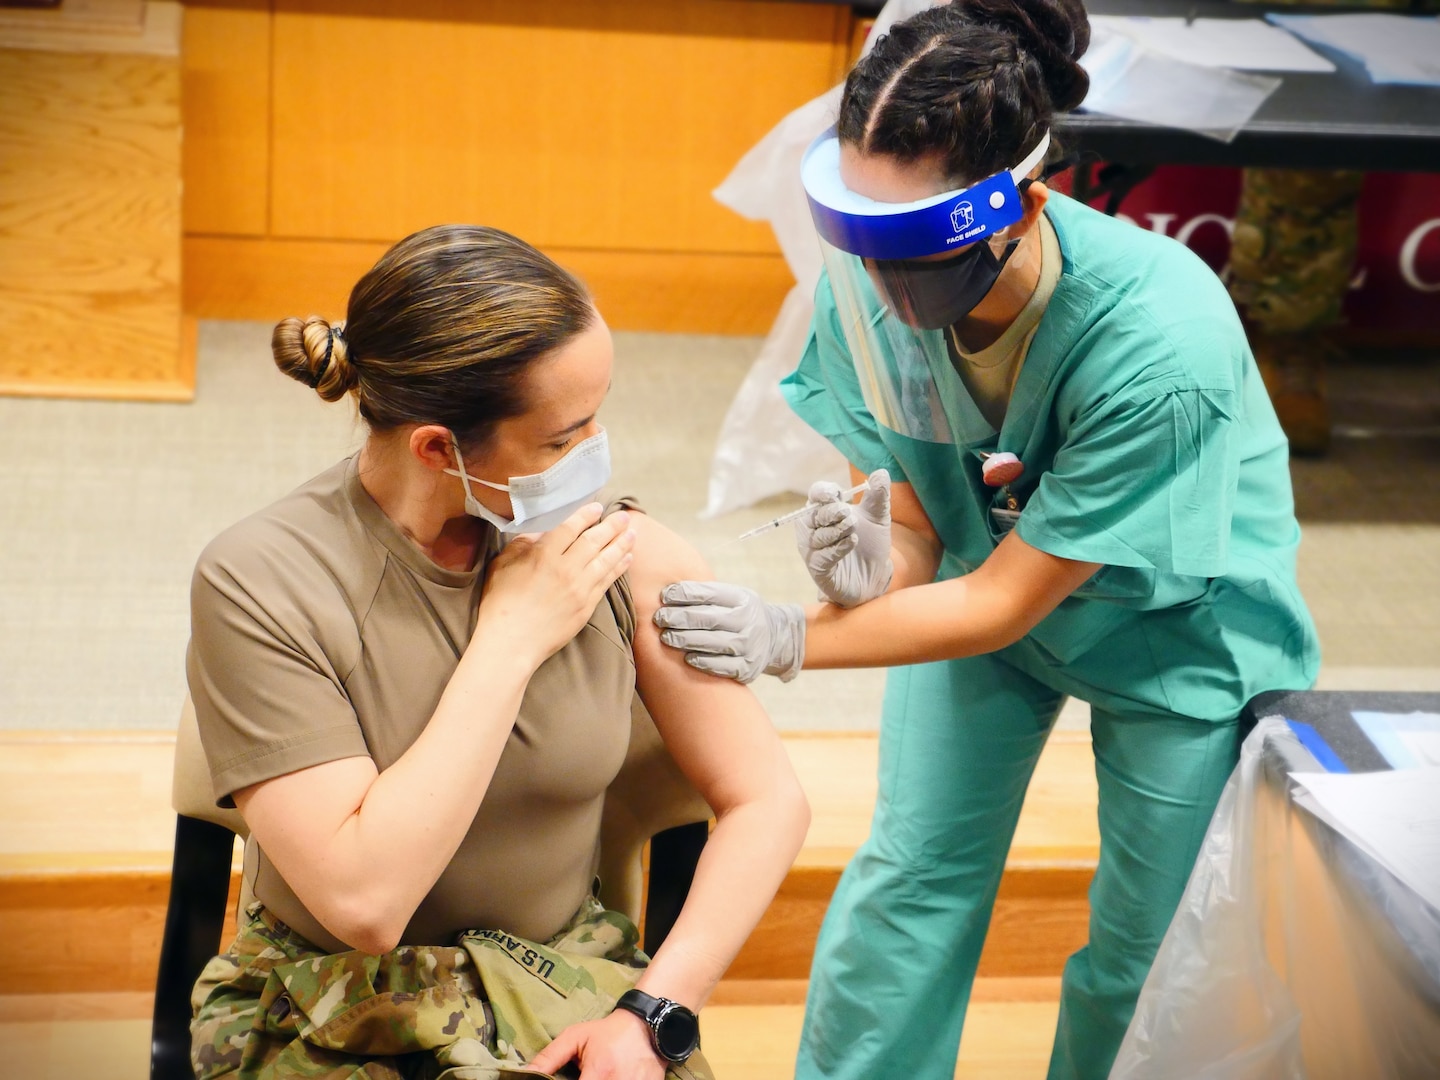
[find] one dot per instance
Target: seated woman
(413, 676)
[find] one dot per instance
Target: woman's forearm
(943, 620)
(993, 607)
(388, 841)
(420, 809)
(391, 845)
(744, 862)
(916, 557)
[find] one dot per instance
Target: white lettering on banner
(1410, 257)
(1188, 229)
(1160, 223)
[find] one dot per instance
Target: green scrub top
(1149, 445)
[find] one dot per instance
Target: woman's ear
(1033, 199)
(431, 445)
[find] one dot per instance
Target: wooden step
(1041, 912)
(1008, 1033)
(86, 831)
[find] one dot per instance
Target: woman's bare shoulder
(662, 556)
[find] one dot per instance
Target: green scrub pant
(900, 943)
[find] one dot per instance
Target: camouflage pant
(1293, 252)
(1294, 247)
(274, 1007)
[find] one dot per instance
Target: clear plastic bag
(1293, 955)
(763, 448)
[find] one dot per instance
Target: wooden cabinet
(317, 133)
(90, 204)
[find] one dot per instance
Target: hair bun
(314, 352)
(1055, 33)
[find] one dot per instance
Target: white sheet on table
(1393, 48)
(1406, 740)
(1130, 80)
(1395, 816)
(1242, 44)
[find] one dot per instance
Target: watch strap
(653, 1010)
(646, 1006)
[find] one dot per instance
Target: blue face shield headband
(902, 244)
(888, 231)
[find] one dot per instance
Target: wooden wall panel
(226, 106)
(598, 124)
(90, 225)
(674, 292)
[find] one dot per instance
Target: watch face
(677, 1033)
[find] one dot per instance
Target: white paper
(1242, 44)
(1395, 816)
(1135, 82)
(1393, 48)
(1405, 740)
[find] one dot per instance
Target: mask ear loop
(465, 477)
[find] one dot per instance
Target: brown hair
(977, 82)
(440, 331)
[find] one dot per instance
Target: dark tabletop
(1329, 712)
(1337, 120)
(1323, 121)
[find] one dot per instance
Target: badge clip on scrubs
(898, 242)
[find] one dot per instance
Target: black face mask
(934, 294)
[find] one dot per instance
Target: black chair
(649, 801)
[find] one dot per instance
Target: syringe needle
(775, 523)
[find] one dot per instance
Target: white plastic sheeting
(763, 448)
(1293, 954)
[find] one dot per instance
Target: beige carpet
(106, 505)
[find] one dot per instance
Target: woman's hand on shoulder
(615, 1048)
(543, 588)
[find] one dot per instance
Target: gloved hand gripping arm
(728, 630)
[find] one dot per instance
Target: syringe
(775, 523)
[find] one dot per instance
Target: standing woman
(1090, 497)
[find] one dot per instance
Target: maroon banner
(1395, 292)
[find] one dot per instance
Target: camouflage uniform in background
(276, 1008)
(1291, 261)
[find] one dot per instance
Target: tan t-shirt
(990, 373)
(319, 632)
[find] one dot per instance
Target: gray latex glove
(846, 547)
(728, 630)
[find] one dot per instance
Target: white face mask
(543, 500)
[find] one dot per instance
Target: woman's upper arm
(281, 737)
(295, 816)
(715, 729)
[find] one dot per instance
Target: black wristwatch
(674, 1029)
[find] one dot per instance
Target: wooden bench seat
(86, 831)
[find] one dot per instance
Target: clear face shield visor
(903, 273)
